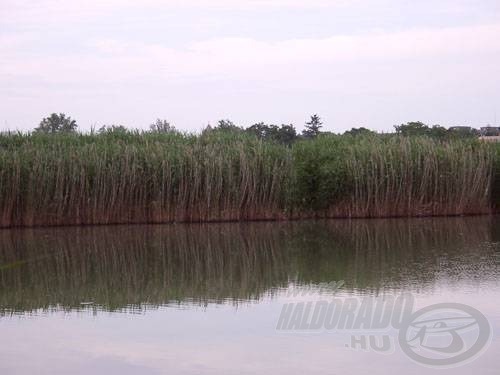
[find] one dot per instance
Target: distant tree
(162, 126)
(359, 131)
(112, 129)
(312, 127)
(412, 128)
(285, 134)
(260, 130)
(437, 131)
(462, 132)
(227, 125)
(57, 123)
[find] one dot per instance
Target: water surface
(206, 299)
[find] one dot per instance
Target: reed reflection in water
(142, 267)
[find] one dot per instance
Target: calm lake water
(207, 299)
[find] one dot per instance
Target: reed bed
(139, 178)
(402, 176)
(132, 177)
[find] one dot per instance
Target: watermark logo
(445, 335)
(440, 335)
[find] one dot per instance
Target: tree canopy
(57, 123)
(285, 134)
(162, 126)
(312, 128)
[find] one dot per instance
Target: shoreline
(493, 213)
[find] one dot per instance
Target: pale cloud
(395, 60)
(114, 59)
(42, 11)
(113, 4)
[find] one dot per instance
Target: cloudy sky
(372, 63)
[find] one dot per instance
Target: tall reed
(132, 177)
(137, 178)
(381, 176)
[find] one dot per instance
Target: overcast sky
(372, 63)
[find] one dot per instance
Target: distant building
(490, 138)
(490, 131)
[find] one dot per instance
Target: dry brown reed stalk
(75, 179)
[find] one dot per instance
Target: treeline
(285, 134)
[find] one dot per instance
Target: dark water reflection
(124, 266)
(182, 270)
